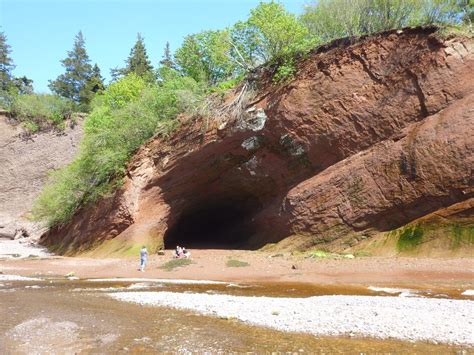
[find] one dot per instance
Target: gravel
(18, 249)
(17, 278)
(410, 319)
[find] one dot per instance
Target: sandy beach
(209, 264)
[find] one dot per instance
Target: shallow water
(78, 317)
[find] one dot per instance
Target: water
(78, 317)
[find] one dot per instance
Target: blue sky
(40, 32)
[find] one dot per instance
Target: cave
(214, 223)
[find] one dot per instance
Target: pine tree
(94, 85)
(167, 60)
(137, 62)
(78, 73)
(6, 64)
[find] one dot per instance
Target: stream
(79, 316)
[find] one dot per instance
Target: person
(143, 257)
(178, 252)
(186, 253)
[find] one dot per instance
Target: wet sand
(450, 273)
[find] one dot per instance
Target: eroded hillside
(367, 138)
(25, 160)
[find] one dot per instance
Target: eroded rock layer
(366, 138)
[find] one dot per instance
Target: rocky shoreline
(409, 319)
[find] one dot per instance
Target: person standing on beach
(143, 258)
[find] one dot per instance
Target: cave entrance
(224, 223)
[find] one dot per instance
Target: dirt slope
(24, 164)
(367, 138)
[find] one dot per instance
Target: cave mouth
(223, 223)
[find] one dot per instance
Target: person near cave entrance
(143, 258)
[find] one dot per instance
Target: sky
(40, 32)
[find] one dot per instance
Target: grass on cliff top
(175, 263)
(37, 111)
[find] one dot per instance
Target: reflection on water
(76, 316)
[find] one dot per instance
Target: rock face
(25, 161)
(367, 137)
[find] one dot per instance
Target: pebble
(405, 318)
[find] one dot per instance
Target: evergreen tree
(167, 60)
(137, 62)
(78, 72)
(93, 85)
(6, 64)
(23, 85)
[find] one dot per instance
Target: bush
(122, 119)
(38, 108)
(330, 19)
(284, 71)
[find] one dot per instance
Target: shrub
(123, 118)
(330, 19)
(39, 108)
(284, 71)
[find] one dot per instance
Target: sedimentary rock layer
(368, 136)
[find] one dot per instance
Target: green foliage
(236, 263)
(205, 56)
(270, 34)
(10, 86)
(41, 108)
(31, 127)
(167, 60)
(121, 92)
(175, 263)
(284, 71)
(94, 85)
(137, 63)
(409, 238)
(127, 114)
(330, 19)
(6, 63)
(75, 84)
(279, 32)
(23, 85)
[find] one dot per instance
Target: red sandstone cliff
(367, 137)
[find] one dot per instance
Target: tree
(79, 71)
(167, 60)
(23, 85)
(275, 31)
(137, 62)
(205, 56)
(6, 64)
(93, 85)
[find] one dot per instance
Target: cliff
(367, 139)
(25, 160)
